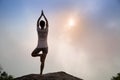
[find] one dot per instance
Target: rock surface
(50, 76)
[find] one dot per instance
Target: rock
(50, 76)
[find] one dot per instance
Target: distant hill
(50, 76)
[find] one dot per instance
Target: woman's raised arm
(45, 19)
(39, 19)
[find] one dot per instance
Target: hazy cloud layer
(90, 50)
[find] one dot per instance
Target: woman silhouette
(42, 41)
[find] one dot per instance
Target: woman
(42, 41)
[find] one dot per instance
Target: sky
(83, 37)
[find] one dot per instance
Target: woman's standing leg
(43, 57)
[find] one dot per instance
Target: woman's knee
(35, 52)
(33, 55)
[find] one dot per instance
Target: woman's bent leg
(35, 53)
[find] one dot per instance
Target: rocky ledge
(49, 76)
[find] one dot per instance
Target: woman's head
(42, 24)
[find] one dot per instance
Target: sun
(71, 22)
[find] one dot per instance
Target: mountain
(50, 76)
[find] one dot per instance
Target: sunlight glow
(71, 22)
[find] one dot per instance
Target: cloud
(91, 48)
